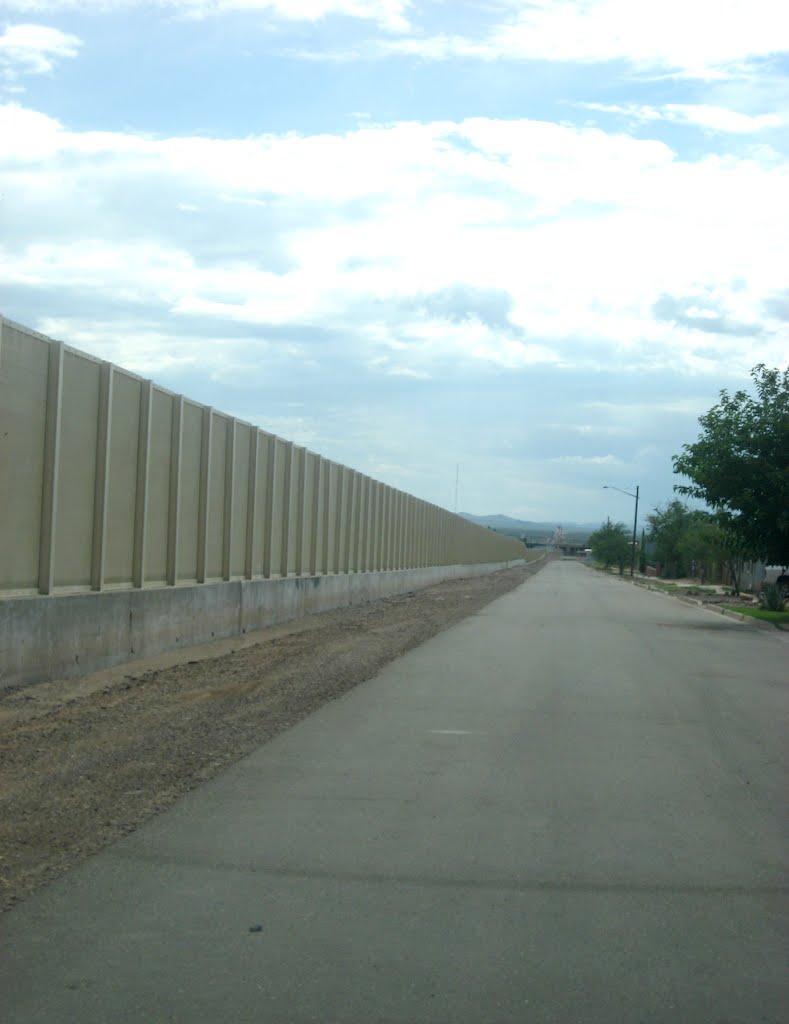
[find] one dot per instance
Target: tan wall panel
(399, 560)
(269, 458)
(416, 527)
(388, 527)
(286, 509)
(332, 476)
(322, 506)
(238, 536)
(189, 503)
(255, 554)
(413, 540)
(74, 520)
(216, 497)
(444, 550)
(389, 503)
(23, 393)
(399, 538)
(351, 505)
(343, 518)
(122, 478)
(293, 509)
(415, 537)
(375, 526)
(275, 525)
(309, 514)
(382, 525)
(156, 534)
(401, 533)
(406, 531)
(361, 540)
(357, 484)
(260, 523)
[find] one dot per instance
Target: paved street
(570, 808)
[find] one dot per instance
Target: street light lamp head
(612, 487)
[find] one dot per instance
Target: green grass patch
(777, 618)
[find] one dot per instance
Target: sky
(505, 250)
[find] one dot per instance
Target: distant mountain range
(499, 522)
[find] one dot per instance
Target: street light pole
(610, 487)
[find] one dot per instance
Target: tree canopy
(667, 529)
(739, 466)
(611, 545)
(687, 541)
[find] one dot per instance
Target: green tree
(668, 527)
(611, 545)
(705, 547)
(691, 542)
(739, 467)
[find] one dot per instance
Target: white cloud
(713, 118)
(390, 15)
(139, 346)
(589, 460)
(705, 39)
(718, 119)
(582, 233)
(32, 50)
(625, 410)
(590, 429)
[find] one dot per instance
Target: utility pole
(635, 521)
(610, 487)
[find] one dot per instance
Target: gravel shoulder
(85, 761)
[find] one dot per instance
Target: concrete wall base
(57, 637)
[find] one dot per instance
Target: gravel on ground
(84, 761)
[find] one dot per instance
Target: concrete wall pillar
(49, 501)
(102, 477)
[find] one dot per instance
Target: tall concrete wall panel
(24, 365)
(187, 540)
(124, 445)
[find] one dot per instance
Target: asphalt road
(569, 808)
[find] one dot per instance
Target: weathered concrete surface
(569, 808)
(51, 637)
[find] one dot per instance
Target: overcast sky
(532, 240)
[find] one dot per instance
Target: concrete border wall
(113, 487)
(58, 637)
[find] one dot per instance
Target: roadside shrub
(771, 598)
